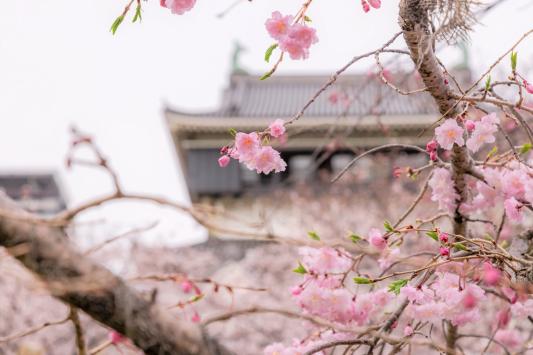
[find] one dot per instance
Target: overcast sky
(60, 66)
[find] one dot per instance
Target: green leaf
(267, 75)
(269, 51)
(459, 246)
(313, 235)
(388, 226)
(487, 83)
(514, 59)
(492, 152)
(355, 238)
(525, 148)
(300, 269)
(116, 23)
(233, 132)
(196, 298)
(397, 285)
(362, 280)
(137, 15)
(433, 235)
(307, 19)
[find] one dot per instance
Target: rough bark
(80, 282)
(418, 34)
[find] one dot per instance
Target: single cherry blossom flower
(277, 128)
(449, 133)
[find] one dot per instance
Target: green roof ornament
(235, 59)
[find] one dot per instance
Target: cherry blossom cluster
(323, 294)
(249, 150)
(447, 298)
(481, 132)
(292, 38)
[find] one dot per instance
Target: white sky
(59, 65)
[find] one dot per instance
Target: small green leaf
(362, 280)
(397, 285)
(492, 152)
(459, 246)
(269, 51)
(267, 75)
(307, 19)
(525, 148)
(433, 235)
(196, 298)
(355, 238)
(300, 269)
(514, 59)
(487, 83)
(116, 23)
(313, 235)
(137, 15)
(388, 226)
(233, 132)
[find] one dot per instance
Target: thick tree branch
(80, 282)
(418, 35)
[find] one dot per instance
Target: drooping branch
(80, 282)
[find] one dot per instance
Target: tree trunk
(417, 32)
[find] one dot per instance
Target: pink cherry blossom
(431, 146)
(178, 7)
(449, 133)
(408, 331)
(223, 161)
(514, 183)
(443, 237)
(325, 260)
(491, 275)
(512, 209)
(443, 251)
(116, 338)
(510, 338)
(442, 189)
(376, 4)
(277, 128)
(388, 257)
(267, 160)
(336, 305)
(503, 317)
(511, 295)
(298, 40)
(278, 25)
(413, 294)
(470, 125)
(187, 286)
(247, 145)
(483, 132)
(365, 5)
(195, 318)
(522, 309)
(376, 239)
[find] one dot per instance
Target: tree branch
(80, 282)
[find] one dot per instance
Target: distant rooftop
(38, 193)
(281, 96)
(376, 115)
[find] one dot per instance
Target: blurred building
(35, 192)
(358, 112)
